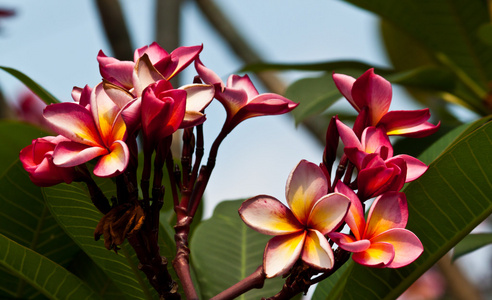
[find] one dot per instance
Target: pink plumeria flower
(375, 92)
(382, 241)
(374, 140)
(30, 109)
(299, 231)
(168, 65)
(97, 132)
(240, 98)
(37, 160)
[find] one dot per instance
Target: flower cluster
(136, 97)
(318, 209)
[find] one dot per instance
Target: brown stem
(181, 261)
(253, 281)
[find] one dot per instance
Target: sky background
(56, 43)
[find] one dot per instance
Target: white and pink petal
(282, 252)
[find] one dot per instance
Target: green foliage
(32, 85)
(445, 204)
(224, 250)
(51, 279)
(471, 243)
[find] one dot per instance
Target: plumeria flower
(299, 231)
(37, 160)
(375, 141)
(97, 132)
(382, 241)
(168, 65)
(240, 98)
(145, 77)
(375, 92)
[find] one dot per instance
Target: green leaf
(25, 219)
(329, 66)
(314, 95)
(447, 31)
(32, 85)
(50, 278)
(224, 250)
(471, 243)
(74, 211)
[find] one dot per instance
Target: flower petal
(348, 136)
(355, 217)
(415, 168)
(198, 96)
(305, 185)
(411, 123)
(267, 215)
(282, 252)
(344, 84)
(74, 122)
(373, 91)
(242, 83)
(116, 71)
(328, 213)
(144, 75)
(70, 154)
(379, 255)
(113, 163)
(349, 243)
(387, 211)
(406, 244)
(180, 58)
(317, 251)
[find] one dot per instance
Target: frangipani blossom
(240, 98)
(375, 140)
(381, 241)
(37, 160)
(375, 92)
(95, 132)
(299, 231)
(168, 65)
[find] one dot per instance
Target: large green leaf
(25, 219)
(72, 207)
(445, 204)
(448, 31)
(224, 250)
(32, 85)
(50, 278)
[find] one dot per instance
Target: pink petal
(415, 168)
(70, 154)
(153, 51)
(328, 213)
(408, 123)
(198, 96)
(74, 122)
(144, 75)
(267, 215)
(349, 243)
(355, 217)
(208, 76)
(282, 252)
(117, 94)
(406, 244)
(104, 112)
(305, 185)
(242, 83)
(344, 84)
(373, 139)
(387, 211)
(115, 70)
(317, 251)
(181, 58)
(373, 91)
(379, 255)
(349, 139)
(113, 163)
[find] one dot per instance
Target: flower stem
(253, 281)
